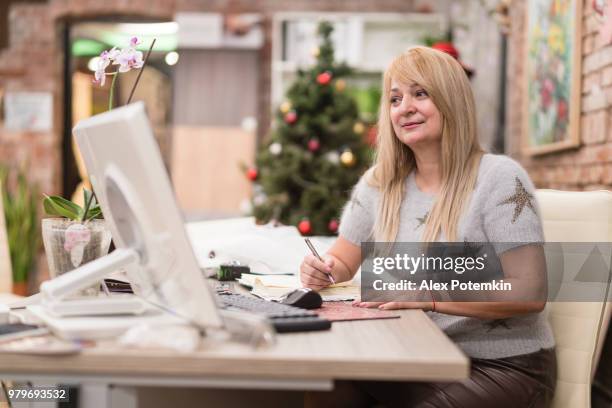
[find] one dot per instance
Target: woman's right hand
(315, 274)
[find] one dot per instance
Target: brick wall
(588, 167)
(33, 60)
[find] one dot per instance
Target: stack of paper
(273, 287)
(265, 249)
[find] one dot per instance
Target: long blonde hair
(447, 85)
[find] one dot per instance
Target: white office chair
(6, 274)
(579, 327)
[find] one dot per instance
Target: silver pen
(315, 253)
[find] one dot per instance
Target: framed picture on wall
(552, 70)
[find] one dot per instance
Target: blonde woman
(432, 182)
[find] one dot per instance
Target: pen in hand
(315, 253)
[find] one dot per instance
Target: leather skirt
(524, 381)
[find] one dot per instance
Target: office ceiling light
(148, 28)
(93, 63)
(172, 58)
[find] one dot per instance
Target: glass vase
(70, 244)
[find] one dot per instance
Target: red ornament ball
(333, 225)
(291, 117)
(304, 227)
(314, 144)
(324, 78)
(252, 174)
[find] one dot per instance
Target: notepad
(280, 281)
(274, 287)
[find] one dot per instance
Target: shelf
(367, 42)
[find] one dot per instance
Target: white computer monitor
(132, 186)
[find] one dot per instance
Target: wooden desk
(409, 348)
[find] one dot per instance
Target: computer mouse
(304, 298)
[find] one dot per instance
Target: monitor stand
(55, 292)
(107, 316)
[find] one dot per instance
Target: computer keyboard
(284, 318)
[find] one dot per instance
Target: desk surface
(409, 348)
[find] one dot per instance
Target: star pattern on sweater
(422, 220)
(494, 324)
(521, 199)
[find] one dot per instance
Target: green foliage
(22, 223)
(299, 182)
(60, 207)
(430, 40)
(368, 100)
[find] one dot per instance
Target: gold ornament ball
(358, 128)
(348, 158)
(315, 51)
(340, 85)
(285, 107)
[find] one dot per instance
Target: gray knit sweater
(495, 214)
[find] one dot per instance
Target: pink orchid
(128, 59)
(99, 77)
(110, 54)
(105, 59)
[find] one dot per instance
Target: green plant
(21, 212)
(60, 207)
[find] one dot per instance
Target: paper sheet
(279, 281)
(275, 287)
(265, 249)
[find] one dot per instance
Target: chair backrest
(6, 274)
(579, 327)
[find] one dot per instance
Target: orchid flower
(127, 58)
(105, 59)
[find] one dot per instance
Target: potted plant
(21, 214)
(80, 235)
(75, 235)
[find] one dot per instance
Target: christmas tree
(315, 153)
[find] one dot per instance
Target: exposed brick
(603, 153)
(583, 174)
(606, 76)
(588, 44)
(590, 80)
(598, 59)
(587, 9)
(596, 99)
(596, 173)
(596, 187)
(595, 127)
(590, 25)
(572, 174)
(607, 175)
